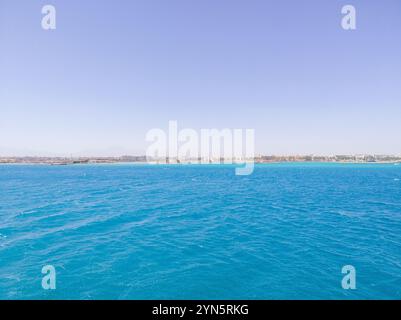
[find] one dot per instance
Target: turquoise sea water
(200, 232)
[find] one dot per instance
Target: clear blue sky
(114, 69)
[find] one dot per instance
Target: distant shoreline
(189, 164)
(141, 160)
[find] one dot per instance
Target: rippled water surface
(200, 232)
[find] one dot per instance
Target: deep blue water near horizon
(200, 232)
